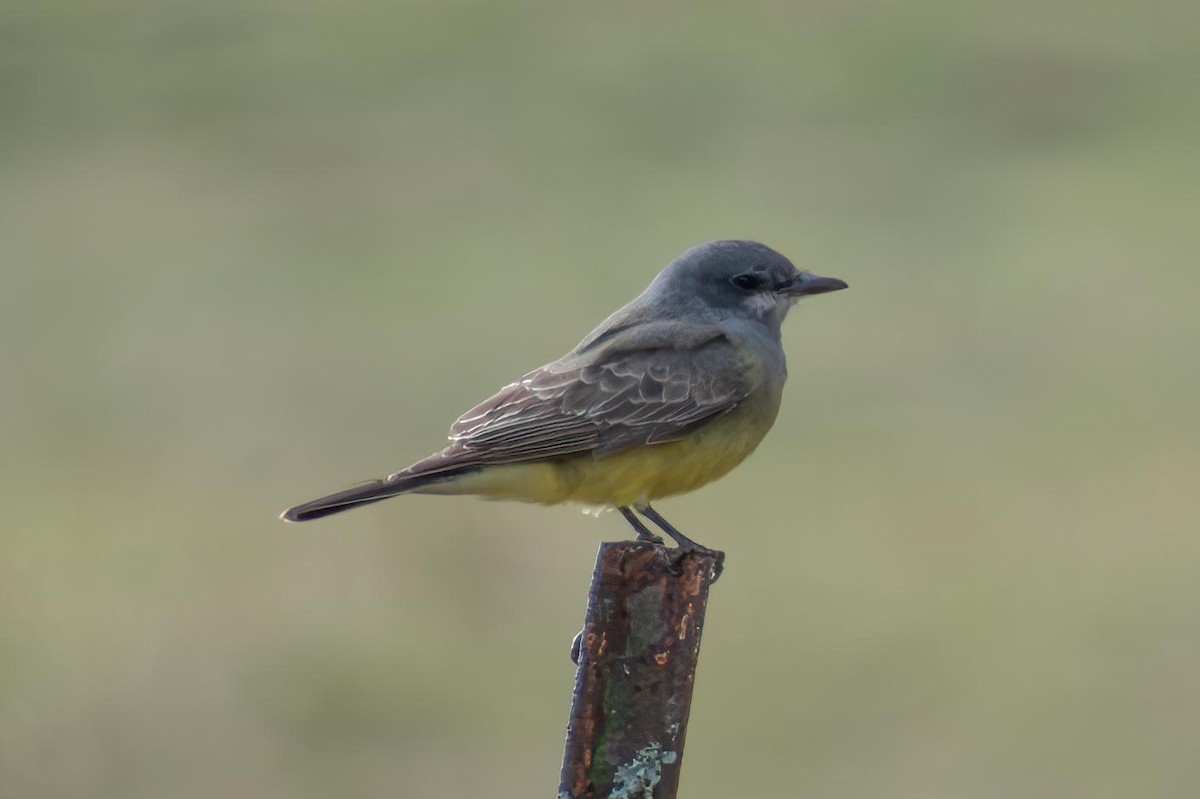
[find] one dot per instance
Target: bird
(669, 393)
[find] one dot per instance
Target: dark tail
(365, 494)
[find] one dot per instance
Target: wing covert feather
(625, 399)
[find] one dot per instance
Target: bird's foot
(682, 551)
(683, 545)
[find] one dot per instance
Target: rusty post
(637, 658)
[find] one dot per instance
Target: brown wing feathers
(599, 408)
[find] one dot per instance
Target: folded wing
(620, 400)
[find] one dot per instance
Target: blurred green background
(256, 251)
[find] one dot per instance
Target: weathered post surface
(637, 658)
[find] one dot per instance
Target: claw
(679, 553)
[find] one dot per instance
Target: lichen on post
(637, 658)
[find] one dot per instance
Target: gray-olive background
(255, 251)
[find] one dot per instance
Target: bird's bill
(806, 283)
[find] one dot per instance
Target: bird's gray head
(735, 279)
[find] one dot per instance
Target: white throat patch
(763, 303)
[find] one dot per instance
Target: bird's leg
(684, 543)
(643, 533)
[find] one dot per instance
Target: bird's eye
(748, 282)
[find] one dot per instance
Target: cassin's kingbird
(667, 394)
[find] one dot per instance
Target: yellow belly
(635, 476)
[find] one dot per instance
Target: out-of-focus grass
(255, 251)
